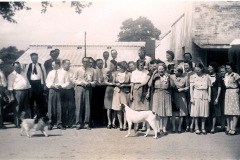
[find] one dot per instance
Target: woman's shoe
(121, 129)
(109, 126)
(232, 132)
(187, 130)
(191, 130)
(204, 132)
(227, 132)
(198, 132)
(114, 126)
(212, 132)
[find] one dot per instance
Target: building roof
(74, 52)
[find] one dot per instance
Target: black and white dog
(138, 117)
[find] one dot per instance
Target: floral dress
(162, 101)
(232, 94)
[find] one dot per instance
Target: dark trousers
(37, 97)
(54, 106)
(83, 96)
(22, 99)
(98, 113)
(68, 107)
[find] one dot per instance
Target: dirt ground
(102, 143)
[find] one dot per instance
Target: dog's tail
(23, 115)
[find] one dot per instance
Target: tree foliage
(8, 9)
(141, 29)
(9, 55)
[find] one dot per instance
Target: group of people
(91, 94)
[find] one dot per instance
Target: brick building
(206, 30)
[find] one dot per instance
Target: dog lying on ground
(36, 124)
(138, 117)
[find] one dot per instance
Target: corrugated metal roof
(127, 51)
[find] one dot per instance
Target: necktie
(35, 69)
(55, 78)
(105, 63)
(100, 76)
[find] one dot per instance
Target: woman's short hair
(171, 54)
(230, 64)
(188, 54)
(189, 63)
(139, 62)
(122, 65)
(214, 66)
(179, 69)
(199, 65)
(163, 65)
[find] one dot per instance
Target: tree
(8, 9)
(141, 29)
(9, 55)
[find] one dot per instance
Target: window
(49, 47)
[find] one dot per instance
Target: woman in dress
(231, 111)
(216, 85)
(200, 91)
(122, 80)
(139, 89)
(189, 72)
(162, 101)
(180, 87)
(170, 62)
(222, 72)
(109, 94)
(187, 58)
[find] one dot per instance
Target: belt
(21, 89)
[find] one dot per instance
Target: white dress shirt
(18, 81)
(63, 79)
(39, 75)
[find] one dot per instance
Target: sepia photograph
(119, 80)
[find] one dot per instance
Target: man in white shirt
(36, 75)
(84, 79)
(98, 95)
(19, 87)
(67, 96)
(57, 80)
(3, 85)
(106, 63)
(143, 57)
(114, 54)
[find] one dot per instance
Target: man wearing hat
(36, 75)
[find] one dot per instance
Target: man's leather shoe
(79, 126)
(61, 127)
(3, 127)
(86, 126)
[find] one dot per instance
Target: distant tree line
(10, 55)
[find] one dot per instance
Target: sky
(101, 21)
